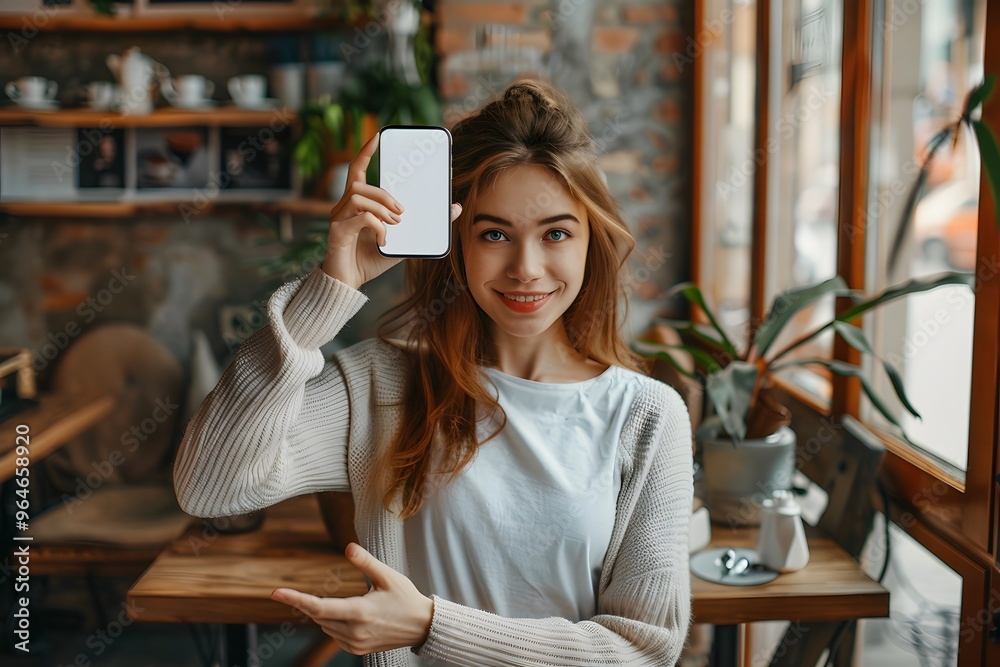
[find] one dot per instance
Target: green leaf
(842, 368)
(692, 293)
(990, 156)
(897, 384)
(856, 339)
(978, 95)
(730, 391)
(702, 357)
(911, 286)
(854, 336)
(666, 356)
(333, 117)
(787, 304)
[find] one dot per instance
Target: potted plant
(747, 448)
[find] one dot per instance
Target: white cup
(192, 88)
(288, 84)
(248, 89)
(31, 89)
(100, 94)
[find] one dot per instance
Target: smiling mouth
(524, 299)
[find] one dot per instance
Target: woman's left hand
(393, 614)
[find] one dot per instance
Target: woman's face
(528, 237)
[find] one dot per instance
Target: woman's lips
(525, 306)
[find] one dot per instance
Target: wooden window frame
(956, 521)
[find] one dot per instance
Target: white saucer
(199, 105)
(263, 104)
(39, 105)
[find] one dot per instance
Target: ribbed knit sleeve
(645, 612)
(276, 424)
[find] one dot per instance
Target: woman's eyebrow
(486, 217)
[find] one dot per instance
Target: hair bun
(533, 92)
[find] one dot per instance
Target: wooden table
(209, 578)
(205, 577)
(57, 418)
(830, 588)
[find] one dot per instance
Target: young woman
(522, 489)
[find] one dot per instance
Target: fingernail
(399, 207)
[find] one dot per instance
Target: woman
(523, 490)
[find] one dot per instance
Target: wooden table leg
(238, 646)
(320, 653)
(724, 646)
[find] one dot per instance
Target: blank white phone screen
(415, 168)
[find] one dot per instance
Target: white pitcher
(782, 543)
(137, 74)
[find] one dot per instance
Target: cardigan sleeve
(645, 612)
(276, 424)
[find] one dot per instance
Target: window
(928, 335)
(803, 235)
(727, 152)
(882, 78)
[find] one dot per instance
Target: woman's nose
(526, 263)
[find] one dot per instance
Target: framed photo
(102, 158)
(47, 7)
(257, 159)
(169, 157)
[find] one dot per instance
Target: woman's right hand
(357, 225)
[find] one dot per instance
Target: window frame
(961, 524)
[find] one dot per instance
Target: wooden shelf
(208, 23)
(308, 207)
(164, 117)
(316, 208)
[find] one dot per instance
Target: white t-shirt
(524, 529)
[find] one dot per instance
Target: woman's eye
(489, 234)
(562, 234)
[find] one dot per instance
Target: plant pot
(737, 478)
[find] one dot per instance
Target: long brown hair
(447, 336)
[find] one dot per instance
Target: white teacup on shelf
(247, 90)
(101, 94)
(32, 91)
(192, 91)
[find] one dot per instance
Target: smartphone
(415, 167)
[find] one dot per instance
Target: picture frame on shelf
(255, 159)
(30, 8)
(172, 158)
(102, 165)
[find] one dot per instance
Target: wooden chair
(115, 508)
(847, 469)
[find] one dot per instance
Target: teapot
(136, 73)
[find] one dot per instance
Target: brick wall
(613, 58)
(616, 60)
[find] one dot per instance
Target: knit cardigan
(283, 421)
